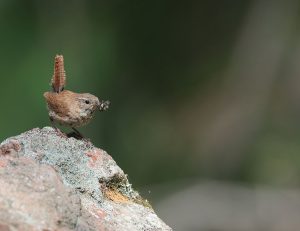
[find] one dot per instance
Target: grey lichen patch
(81, 165)
(68, 157)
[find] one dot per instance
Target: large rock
(50, 182)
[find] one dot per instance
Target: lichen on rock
(58, 183)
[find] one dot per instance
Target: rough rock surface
(49, 182)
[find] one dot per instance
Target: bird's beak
(103, 105)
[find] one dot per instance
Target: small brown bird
(69, 108)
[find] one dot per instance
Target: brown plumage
(59, 76)
(67, 107)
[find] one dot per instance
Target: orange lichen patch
(94, 155)
(116, 196)
(118, 189)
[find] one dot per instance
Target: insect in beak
(103, 105)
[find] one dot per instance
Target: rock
(50, 182)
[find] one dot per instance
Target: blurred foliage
(163, 65)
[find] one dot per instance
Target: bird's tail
(59, 77)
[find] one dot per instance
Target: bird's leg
(56, 128)
(77, 133)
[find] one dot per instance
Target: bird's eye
(87, 102)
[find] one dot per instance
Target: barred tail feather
(59, 76)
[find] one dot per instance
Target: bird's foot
(78, 137)
(75, 135)
(60, 133)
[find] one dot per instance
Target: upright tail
(59, 77)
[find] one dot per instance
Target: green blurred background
(200, 90)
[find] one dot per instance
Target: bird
(69, 108)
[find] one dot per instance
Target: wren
(69, 108)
